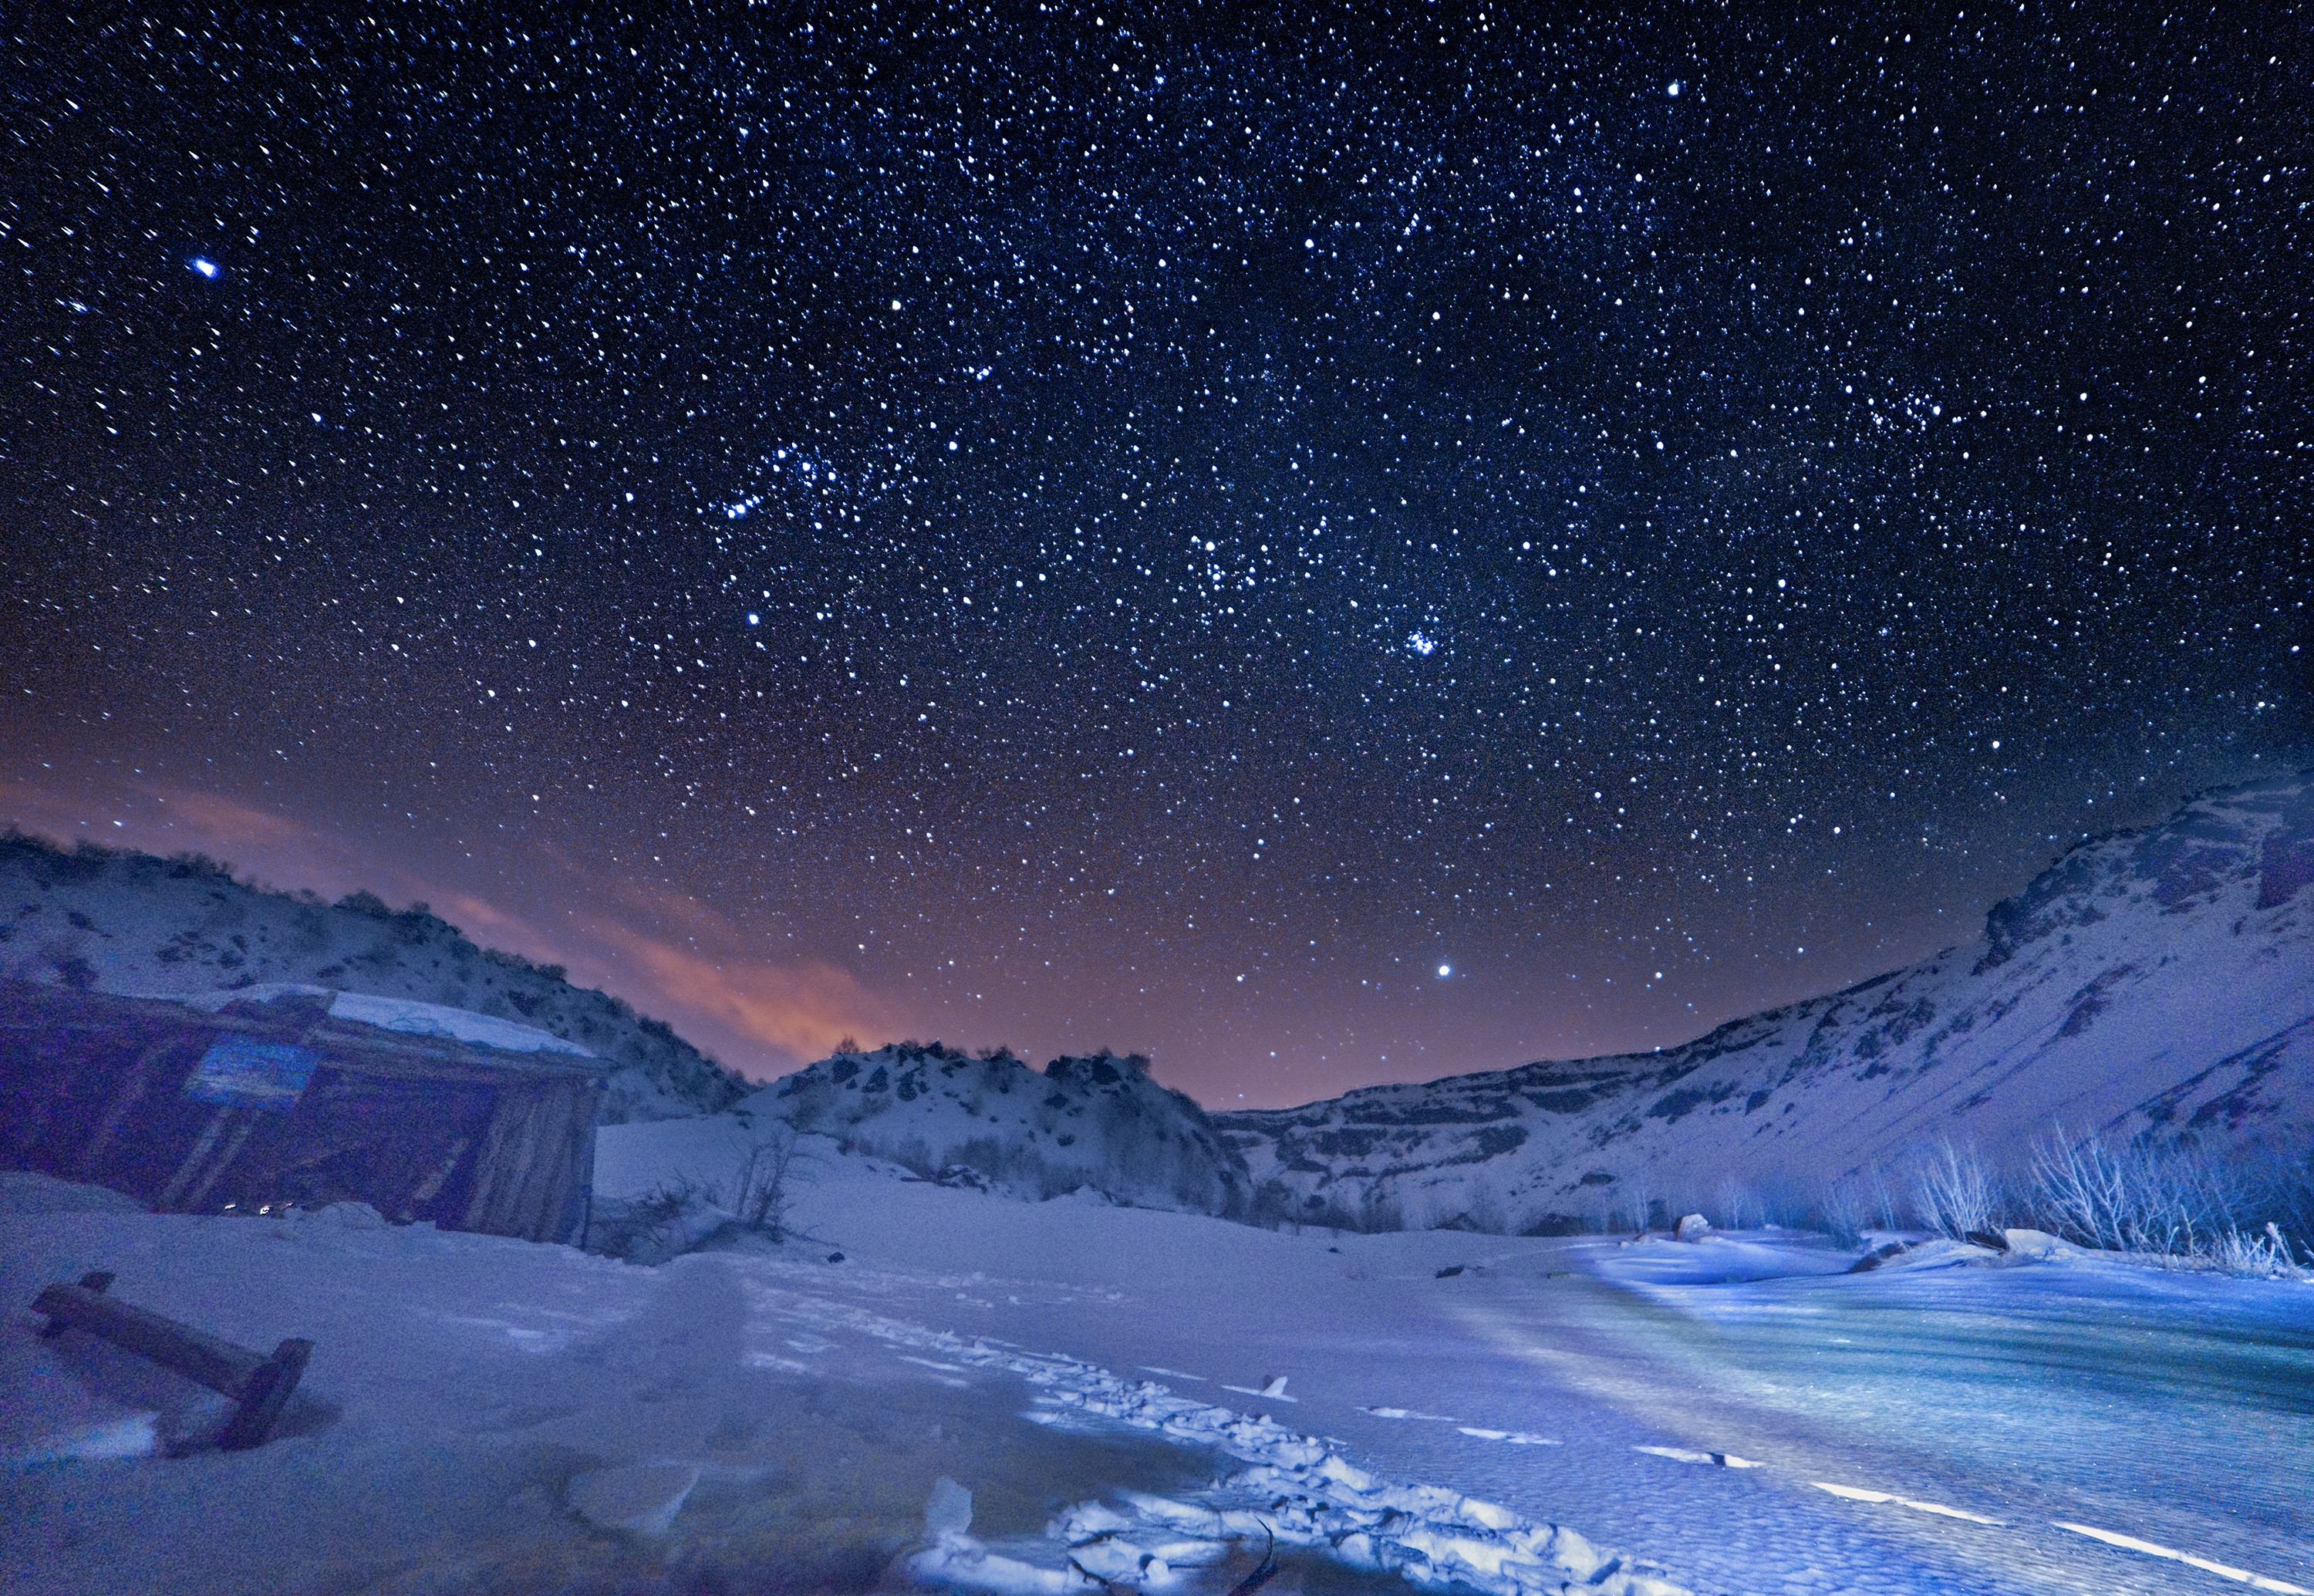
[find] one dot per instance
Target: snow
(1731, 1414)
(406, 1015)
(436, 1020)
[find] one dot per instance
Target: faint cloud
(798, 1011)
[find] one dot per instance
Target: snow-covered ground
(1507, 1414)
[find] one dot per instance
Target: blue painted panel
(242, 1072)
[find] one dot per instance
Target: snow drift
(183, 928)
(2158, 981)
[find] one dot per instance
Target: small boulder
(1879, 1256)
(638, 1498)
(1692, 1227)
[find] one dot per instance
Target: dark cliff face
(124, 921)
(2160, 980)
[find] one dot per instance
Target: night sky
(1324, 546)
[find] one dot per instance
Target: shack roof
(303, 1017)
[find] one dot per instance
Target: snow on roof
(464, 1025)
(406, 1015)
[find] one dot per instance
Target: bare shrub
(1740, 1208)
(762, 1192)
(1954, 1191)
(1845, 1208)
(2134, 1196)
(2178, 1202)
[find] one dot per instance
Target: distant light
(207, 268)
(1444, 971)
(1420, 644)
(753, 619)
(1674, 90)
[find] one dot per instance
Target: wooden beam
(259, 1386)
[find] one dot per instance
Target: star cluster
(1327, 545)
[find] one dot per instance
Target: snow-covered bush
(2258, 1256)
(673, 1218)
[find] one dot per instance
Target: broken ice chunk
(949, 1510)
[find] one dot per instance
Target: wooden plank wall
(91, 1089)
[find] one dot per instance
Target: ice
(1858, 1494)
(950, 1511)
(960, 1563)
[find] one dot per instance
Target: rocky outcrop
(2158, 981)
(993, 1122)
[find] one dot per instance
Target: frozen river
(1738, 1413)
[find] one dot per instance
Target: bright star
(207, 268)
(1444, 971)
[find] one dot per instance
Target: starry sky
(1325, 545)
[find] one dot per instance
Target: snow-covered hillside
(130, 922)
(1100, 1122)
(2156, 980)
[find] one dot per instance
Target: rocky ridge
(2158, 981)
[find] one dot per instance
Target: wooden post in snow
(259, 1384)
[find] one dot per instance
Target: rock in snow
(2160, 980)
(639, 1498)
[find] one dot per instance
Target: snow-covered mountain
(131, 922)
(1098, 1122)
(2156, 980)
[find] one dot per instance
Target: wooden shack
(262, 1104)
